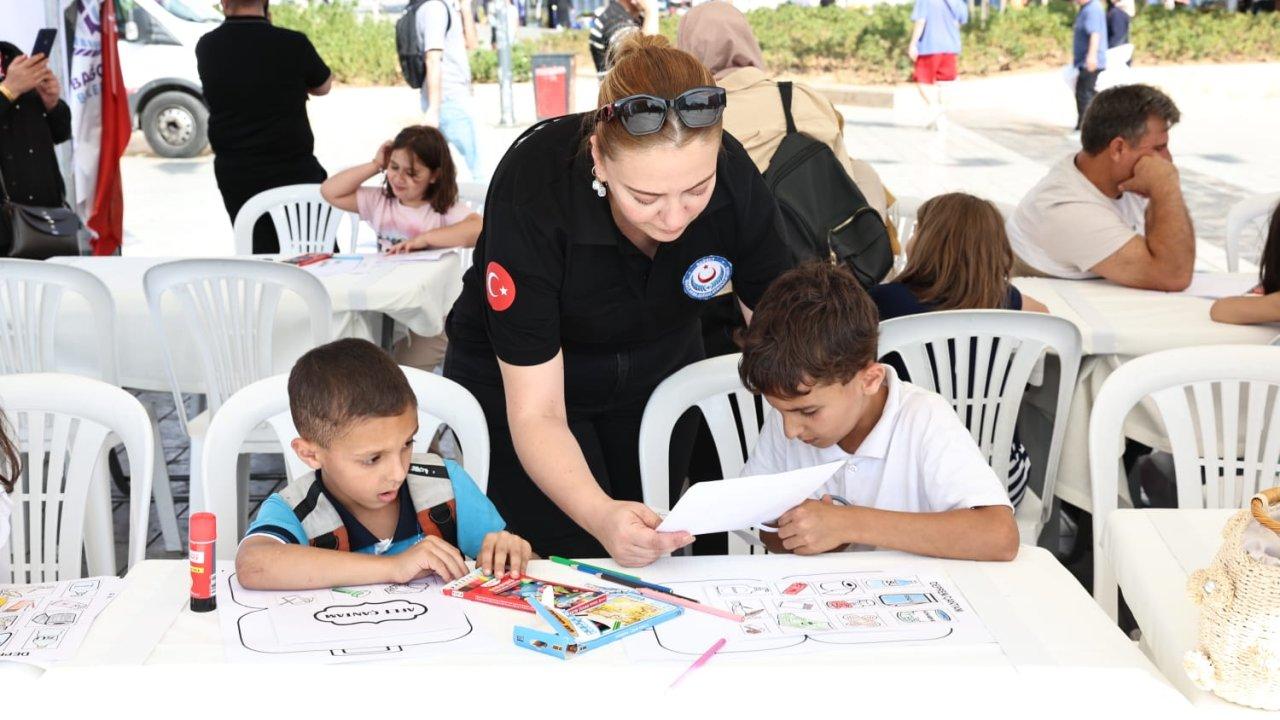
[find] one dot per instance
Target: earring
(601, 188)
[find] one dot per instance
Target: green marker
(592, 569)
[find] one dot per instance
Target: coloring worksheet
(343, 624)
(816, 612)
(48, 621)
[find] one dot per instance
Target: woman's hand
(25, 73)
(626, 529)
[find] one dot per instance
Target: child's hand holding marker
(501, 551)
(814, 527)
(431, 555)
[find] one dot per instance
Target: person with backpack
(796, 139)
(432, 39)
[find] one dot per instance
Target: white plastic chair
(1220, 405)
(440, 401)
(304, 222)
(1000, 348)
(63, 425)
(1240, 217)
(474, 194)
(30, 299)
(707, 384)
(229, 308)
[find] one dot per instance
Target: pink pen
(690, 604)
(706, 657)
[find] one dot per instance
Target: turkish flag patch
(499, 286)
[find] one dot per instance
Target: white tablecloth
(1117, 323)
(1051, 637)
(1153, 552)
(416, 295)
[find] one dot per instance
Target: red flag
(107, 215)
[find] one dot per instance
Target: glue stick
(201, 534)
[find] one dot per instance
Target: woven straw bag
(1237, 656)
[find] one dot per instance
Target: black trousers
(1086, 88)
(238, 182)
(605, 396)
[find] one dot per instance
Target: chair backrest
(474, 194)
(31, 294)
(440, 401)
(902, 214)
(1220, 405)
(229, 308)
(713, 386)
(1243, 214)
(62, 424)
(998, 349)
(304, 222)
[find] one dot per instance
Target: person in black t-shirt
(609, 24)
(604, 234)
(256, 80)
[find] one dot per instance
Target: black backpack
(822, 213)
(413, 61)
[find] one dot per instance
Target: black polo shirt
(553, 271)
(255, 78)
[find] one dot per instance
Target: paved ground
(1004, 135)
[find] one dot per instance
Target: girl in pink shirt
(417, 207)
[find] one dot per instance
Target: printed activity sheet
(816, 612)
(343, 624)
(48, 622)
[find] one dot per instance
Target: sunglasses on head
(646, 114)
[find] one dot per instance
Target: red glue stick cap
(204, 527)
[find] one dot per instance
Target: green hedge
(852, 45)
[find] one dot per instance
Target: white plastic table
(1050, 635)
(1117, 323)
(415, 294)
(1153, 553)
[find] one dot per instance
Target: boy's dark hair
(815, 325)
(428, 147)
(337, 384)
(1269, 268)
(1122, 112)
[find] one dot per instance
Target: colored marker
(685, 602)
(706, 657)
(613, 576)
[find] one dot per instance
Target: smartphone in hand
(44, 42)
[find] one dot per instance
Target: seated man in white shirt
(1114, 209)
(913, 478)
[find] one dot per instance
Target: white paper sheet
(1214, 285)
(48, 622)
(343, 624)
(740, 503)
(417, 256)
(816, 612)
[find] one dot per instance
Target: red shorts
(935, 67)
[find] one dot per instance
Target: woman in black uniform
(603, 235)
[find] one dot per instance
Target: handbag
(1237, 654)
(38, 232)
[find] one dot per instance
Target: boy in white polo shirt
(913, 478)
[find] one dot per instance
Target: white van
(158, 61)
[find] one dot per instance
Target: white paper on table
(789, 609)
(416, 256)
(344, 624)
(740, 503)
(48, 622)
(1215, 285)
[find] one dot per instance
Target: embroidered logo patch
(706, 277)
(499, 286)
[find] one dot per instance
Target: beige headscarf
(718, 35)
